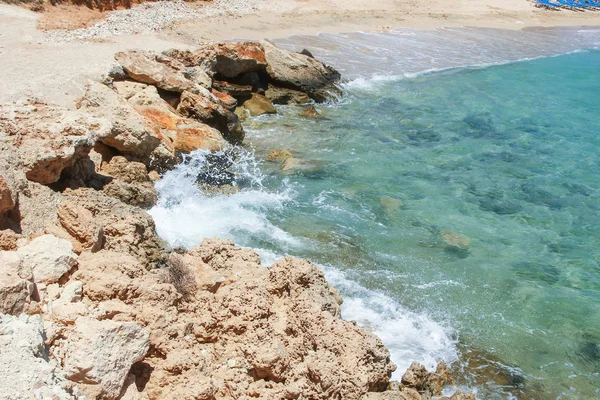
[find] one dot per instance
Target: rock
(455, 241)
(128, 89)
(459, 395)
(132, 133)
(259, 105)
(16, 284)
(8, 239)
(228, 102)
(193, 136)
(200, 77)
(124, 228)
(48, 257)
(293, 164)
(6, 200)
(242, 113)
(235, 58)
(311, 112)
(25, 371)
(68, 307)
(206, 108)
(279, 155)
(99, 354)
(232, 89)
(78, 223)
(49, 139)
(279, 95)
(416, 377)
(439, 378)
(300, 72)
(131, 183)
(155, 69)
(391, 205)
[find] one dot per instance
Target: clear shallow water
(506, 155)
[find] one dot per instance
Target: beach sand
(56, 72)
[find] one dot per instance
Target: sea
(452, 196)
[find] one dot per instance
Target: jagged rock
(68, 307)
(235, 58)
(233, 89)
(16, 284)
(99, 354)
(131, 183)
(300, 72)
(124, 228)
(200, 77)
(192, 136)
(416, 377)
(48, 257)
(279, 155)
(25, 371)
(228, 101)
(459, 395)
(311, 112)
(49, 139)
(206, 108)
(131, 133)
(455, 241)
(155, 69)
(6, 199)
(279, 95)
(259, 105)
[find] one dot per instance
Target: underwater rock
(311, 112)
(537, 272)
(279, 155)
(455, 241)
(293, 164)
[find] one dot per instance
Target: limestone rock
(130, 182)
(259, 105)
(6, 200)
(233, 89)
(16, 283)
(206, 108)
(235, 58)
(48, 257)
(228, 101)
(403, 394)
(124, 228)
(25, 371)
(131, 133)
(68, 307)
(99, 354)
(155, 69)
(279, 95)
(300, 72)
(49, 139)
(128, 89)
(183, 134)
(200, 78)
(279, 155)
(293, 164)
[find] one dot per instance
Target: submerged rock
(292, 164)
(311, 112)
(279, 155)
(455, 241)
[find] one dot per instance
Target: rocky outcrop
(130, 182)
(236, 58)
(300, 72)
(49, 139)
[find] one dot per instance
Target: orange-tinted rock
(228, 101)
(235, 58)
(6, 200)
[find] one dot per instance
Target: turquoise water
(508, 156)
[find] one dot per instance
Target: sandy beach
(56, 62)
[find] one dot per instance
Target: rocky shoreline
(94, 305)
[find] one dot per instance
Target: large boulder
(49, 139)
(155, 69)
(279, 95)
(99, 354)
(48, 257)
(131, 133)
(25, 371)
(300, 72)
(235, 58)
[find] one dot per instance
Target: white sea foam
(409, 336)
